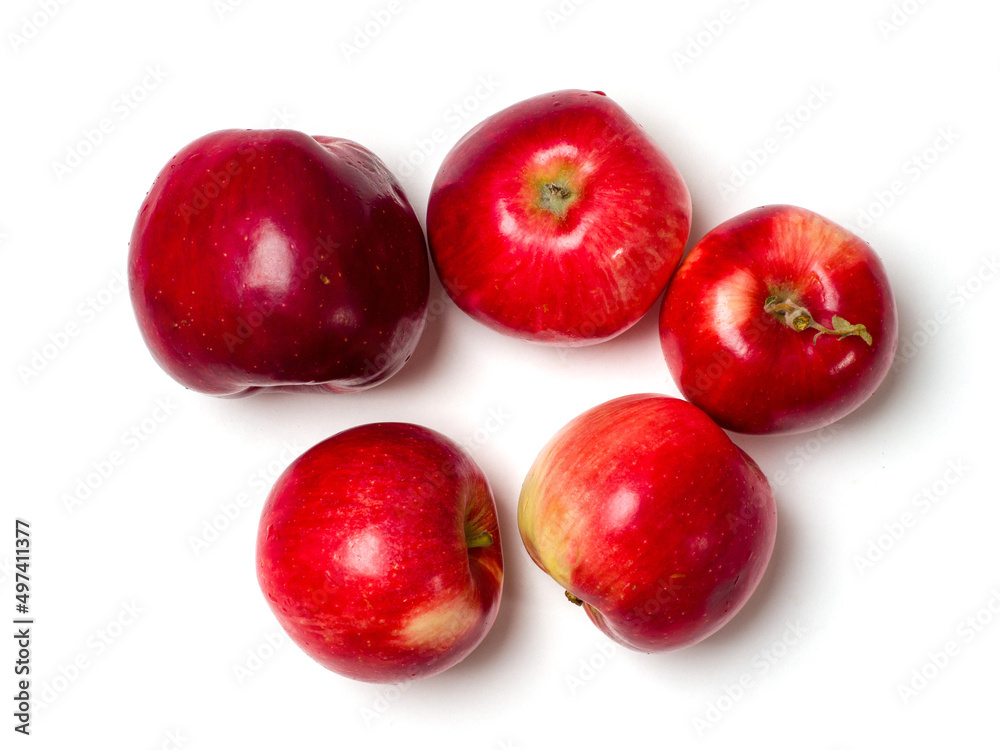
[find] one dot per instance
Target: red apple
(265, 258)
(379, 553)
(648, 515)
(779, 321)
(557, 220)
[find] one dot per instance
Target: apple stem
(799, 319)
(482, 539)
(556, 197)
(575, 599)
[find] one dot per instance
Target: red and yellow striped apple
(649, 516)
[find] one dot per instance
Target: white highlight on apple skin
(362, 553)
(510, 227)
(831, 298)
(273, 269)
(559, 151)
(621, 509)
(846, 362)
(731, 306)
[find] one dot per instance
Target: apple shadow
(894, 387)
(742, 633)
(422, 362)
(768, 591)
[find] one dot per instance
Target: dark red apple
(379, 553)
(648, 515)
(557, 220)
(779, 321)
(265, 258)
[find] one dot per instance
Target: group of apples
(272, 259)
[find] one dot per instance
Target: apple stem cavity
(575, 599)
(798, 318)
(482, 539)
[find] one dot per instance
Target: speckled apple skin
(362, 555)
(747, 369)
(269, 258)
(570, 280)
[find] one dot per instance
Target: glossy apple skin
(269, 258)
(362, 553)
(644, 510)
(744, 366)
(577, 278)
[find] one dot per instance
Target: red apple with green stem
(779, 320)
(649, 516)
(557, 220)
(378, 551)
(269, 258)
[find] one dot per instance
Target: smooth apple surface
(779, 320)
(557, 220)
(378, 551)
(651, 518)
(269, 258)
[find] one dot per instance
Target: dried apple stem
(799, 319)
(576, 600)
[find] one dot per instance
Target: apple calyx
(799, 318)
(555, 197)
(575, 599)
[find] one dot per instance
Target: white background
(819, 654)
